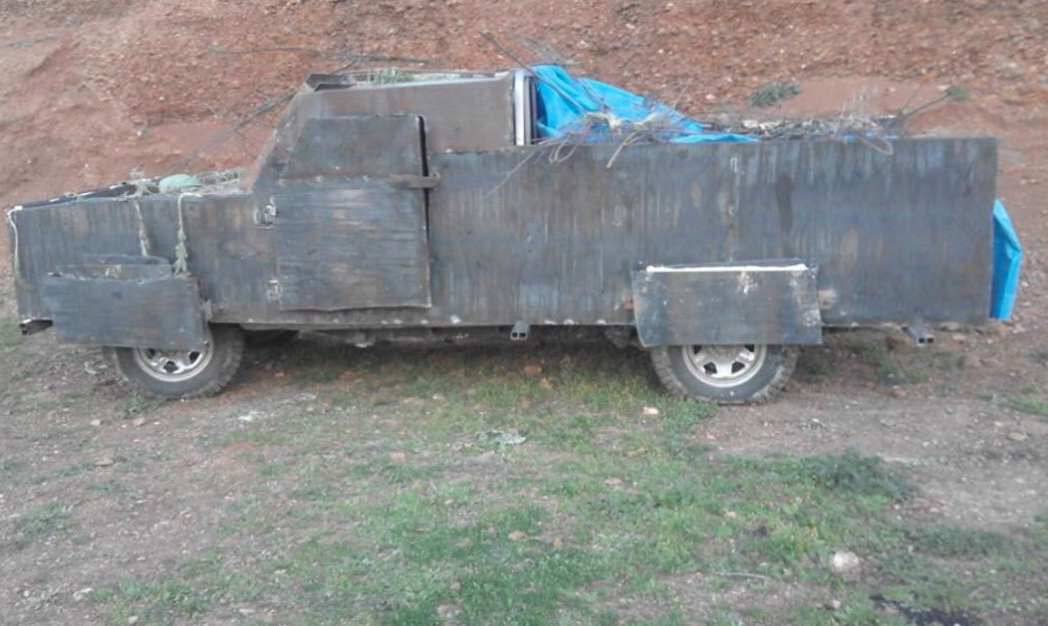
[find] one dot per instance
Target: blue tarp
(1007, 260)
(564, 100)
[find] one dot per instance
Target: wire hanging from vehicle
(181, 265)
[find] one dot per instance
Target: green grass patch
(949, 542)
(888, 367)
(1027, 403)
(67, 471)
(773, 93)
(10, 334)
(197, 586)
(138, 405)
(562, 539)
(9, 467)
(42, 523)
(531, 487)
(552, 540)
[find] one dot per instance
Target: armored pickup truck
(445, 205)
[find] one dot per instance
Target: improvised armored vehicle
(442, 205)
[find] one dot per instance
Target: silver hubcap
(172, 366)
(724, 366)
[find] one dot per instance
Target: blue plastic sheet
(1007, 261)
(564, 100)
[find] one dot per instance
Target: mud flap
(773, 303)
(129, 306)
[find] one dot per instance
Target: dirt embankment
(92, 89)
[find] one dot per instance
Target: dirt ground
(122, 488)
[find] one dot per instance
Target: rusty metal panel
(349, 239)
(356, 146)
(898, 237)
(78, 232)
(468, 114)
(766, 303)
(98, 308)
(358, 247)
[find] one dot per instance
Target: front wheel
(738, 374)
(182, 374)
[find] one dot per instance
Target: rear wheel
(735, 374)
(180, 374)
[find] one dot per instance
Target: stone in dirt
(650, 411)
(105, 461)
(846, 564)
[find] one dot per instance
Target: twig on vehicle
(912, 97)
(506, 52)
(510, 173)
(181, 265)
(880, 144)
(953, 92)
(143, 237)
(256, 112)
(927, 105)
(217, 138)
(14, 240)
(544, 52)
(630, 139)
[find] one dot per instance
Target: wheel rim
(172, 366)
(724, 366)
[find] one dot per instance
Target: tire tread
(660, 360)
(231, 356)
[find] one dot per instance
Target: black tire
(767, 378)
(207, 378)
(269, 338)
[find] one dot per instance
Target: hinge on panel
(266, 216)
(273, 290)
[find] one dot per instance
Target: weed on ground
(772, 94)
